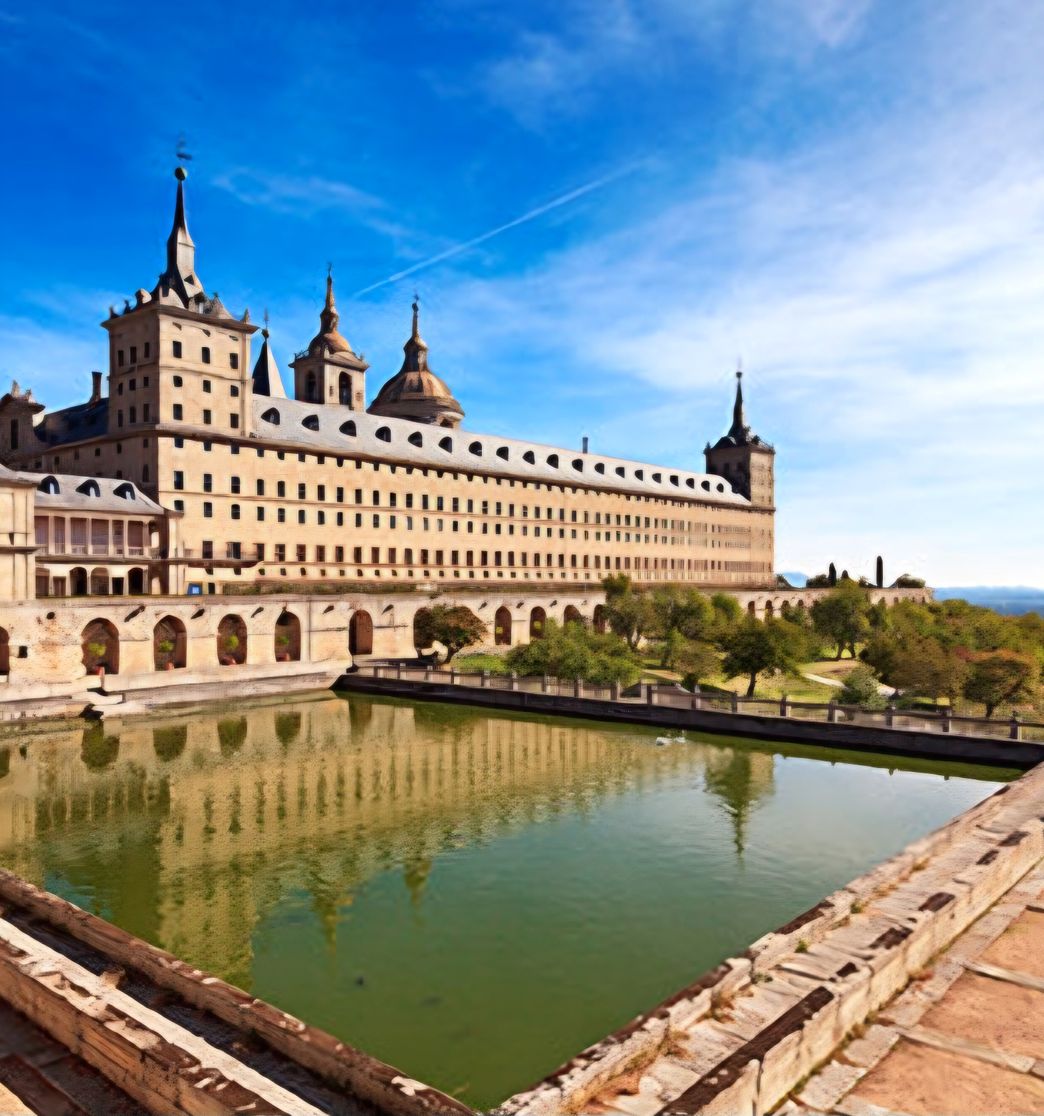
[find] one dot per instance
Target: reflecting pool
(473, 897)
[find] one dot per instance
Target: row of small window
(204, 354)
(409, 470)
(178, 415)
(390, 557)
(208, 385)
(132, 384)
(456, 506)
(133, 354)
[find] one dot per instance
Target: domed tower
(415, 392)
(328, 371)
(742, 458)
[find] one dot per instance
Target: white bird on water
(664, 740)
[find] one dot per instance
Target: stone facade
(319, 489)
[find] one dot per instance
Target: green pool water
(470, 896)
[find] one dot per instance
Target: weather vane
(181, 154)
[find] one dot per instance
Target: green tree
(923, 665)
(454, 626)
(576, 651)
(842, 616)
(997, 677)
(756, 647)
(630, 615)
(696, 661)
(862, 688)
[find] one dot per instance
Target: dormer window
(271, 415)
(310, 422)
(552, 460)
(348, 428)
(416, 439)
(446, 444)
(529, 457)
(50, 486)
(475, 448)
(125, 491)
(89, 488)
(502, 453)
(383, 433)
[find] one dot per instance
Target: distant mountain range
(1013, 600)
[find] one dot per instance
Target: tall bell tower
(328, 371)
(743, 459)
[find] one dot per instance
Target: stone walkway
(965, 1038)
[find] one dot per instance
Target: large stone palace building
(198, 471)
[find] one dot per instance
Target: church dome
(415, 392)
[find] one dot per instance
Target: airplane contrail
(555, 203)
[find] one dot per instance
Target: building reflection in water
(188, 830)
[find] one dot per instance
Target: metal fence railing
(674, 697)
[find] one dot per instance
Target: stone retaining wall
(862, 738)
(740, 1038)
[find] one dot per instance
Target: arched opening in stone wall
(752, 608)
(572, 615)
(344, 390)
(100, 644)
(311, 388)
(136, 582)
(502, 627)
(769, 610)
(78, 581)
(600, 621)
(360, 633)
(99, 582)
(232, 641)
(169, 641)
(537, 622)
(287, 638)
(5, 652)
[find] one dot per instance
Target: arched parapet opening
(752, 608)
(78, 581)
(100, 583)
(169, 644)
(232, 641)
(360, 633)
(770, 610)
(137, 582)
(100, 646)
(537, 622)
(287, 638)
(601, 619)
(572, 615)
(502, 627)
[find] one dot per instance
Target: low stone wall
(740, 1038)
(863, 738)
(168, 1067)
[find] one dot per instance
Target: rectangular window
(208, 510)
(260, 488)
(301, 516)
(233, 485)
(281, 489)
(357, 555)
(235, 511)
(208, 482)
(176, 349)
(320, 492)
(320, 553)
(280, 552)
(280, 515)
(233, 421)
(233, 360)
(302, 552)
(179, 505)
(145, 412)
(206, 418)
(205, 357)
(260, 514)
(302, 492)
(179, 480)
(208, 548)
(338, 553)
(375, 555)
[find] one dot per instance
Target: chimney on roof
(585, 444)
(96, 386)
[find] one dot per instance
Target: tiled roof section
(76, 493)
(333, 429)
(74, 424)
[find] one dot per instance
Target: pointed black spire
(179, 276)
(416, 350)
(265, 378)
(739, 428)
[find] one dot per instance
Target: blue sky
(848, 194)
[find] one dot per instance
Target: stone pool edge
(800, 989)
